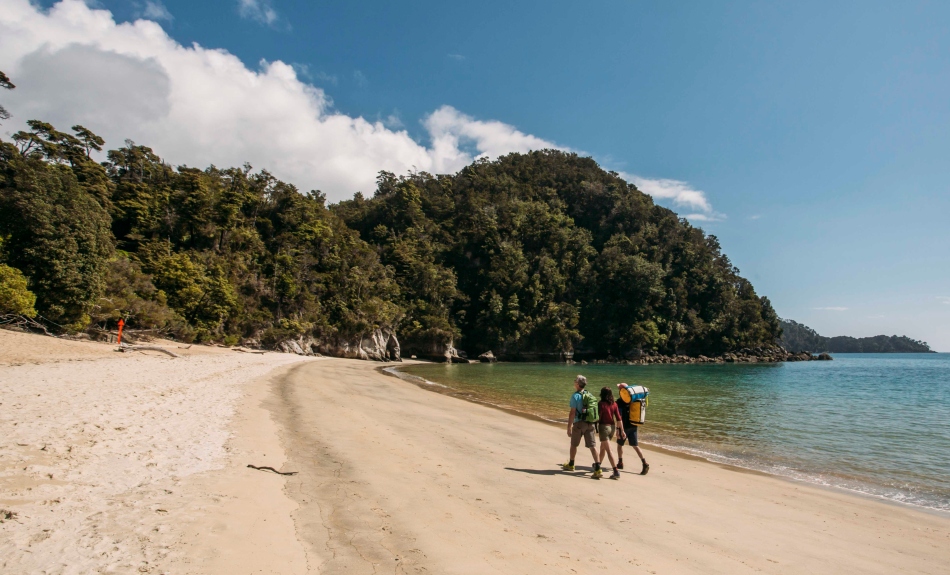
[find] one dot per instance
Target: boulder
(824, 357)
(487, 357)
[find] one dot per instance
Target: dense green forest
(797, 337)
(547, 253)
(538, 255)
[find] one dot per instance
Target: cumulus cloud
(156, 11)
(74, 64)
(831, 308)
(680, 193)
(258, 10)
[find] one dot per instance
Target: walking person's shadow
(578, 472)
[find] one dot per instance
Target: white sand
(88, 443)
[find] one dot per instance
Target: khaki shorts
(606, 431)
(585, 430)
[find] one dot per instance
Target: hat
(622, 385)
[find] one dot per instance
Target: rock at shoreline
(487, 357)
(378, 345)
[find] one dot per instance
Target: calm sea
(878, 424)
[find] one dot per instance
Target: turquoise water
(878, 424)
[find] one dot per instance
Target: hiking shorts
(631, 436)
(606, 431)
(585, 430)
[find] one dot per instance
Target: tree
(7, 84)
(55, 232)
(15, 297)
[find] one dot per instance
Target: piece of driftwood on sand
(126, 347)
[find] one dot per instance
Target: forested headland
(541, 255)
(796, 336)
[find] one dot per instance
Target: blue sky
(818, 133)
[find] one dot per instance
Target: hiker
(628, 434)
(580, 423)
(608, 425)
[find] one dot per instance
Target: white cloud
(456, 57)
(258, 10)
(156, 11)
(74, 64)
(944, 299)
(680, 194)
(360, 78)
(831, 308)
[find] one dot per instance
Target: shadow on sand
(578, 472)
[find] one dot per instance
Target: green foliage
(799, 337)
(540, 253)
(56, 233)
(15, 297)
(130, 295)
(549, 253)
(8, 85)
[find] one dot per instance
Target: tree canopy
(538, 255)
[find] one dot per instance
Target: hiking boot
(615, 474)
(620, 464)
(646, 468)
(597, 474)
(567, 466)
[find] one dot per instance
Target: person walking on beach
(607, 426)
(579, 425)
(628, 434)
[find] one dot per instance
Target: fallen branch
(269, 468)
(126, 347)
(245, 350)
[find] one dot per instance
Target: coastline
(438, 485)
(681, 452)
(388, 478)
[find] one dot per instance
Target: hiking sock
(596, 466)
(571, 462)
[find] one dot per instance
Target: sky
(812, 138)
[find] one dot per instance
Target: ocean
(877, 424)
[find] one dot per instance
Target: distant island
(796, 337)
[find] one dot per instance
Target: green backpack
(590, 408)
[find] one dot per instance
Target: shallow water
(874, 423)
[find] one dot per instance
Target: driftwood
(269, 468)
(245, 350)
(125, 347)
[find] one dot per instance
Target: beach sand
(390, 478)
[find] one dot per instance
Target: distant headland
(799, 336)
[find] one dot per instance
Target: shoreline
(149, 460)
(442, 389)
(426, 483)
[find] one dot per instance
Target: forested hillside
(798, 337)
(536, 255)
(547, 253)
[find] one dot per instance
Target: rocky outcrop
(453, 355)
(378, 345)
(487, 357)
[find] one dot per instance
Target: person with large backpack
(628, 433)
(581, 422)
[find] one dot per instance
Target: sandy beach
(118, 463)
